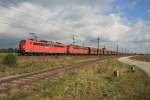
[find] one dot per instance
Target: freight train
(35, 47)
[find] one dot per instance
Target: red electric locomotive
(34, 46)
(93, 51)
(48, 47)
(75, 49)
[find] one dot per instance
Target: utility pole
(98, 42)
(124, 50)
(117, 47)
(73, 40)
(83, 44)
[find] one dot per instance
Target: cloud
(148, 11)
(28, 17)
(60, 20)
(138, 37)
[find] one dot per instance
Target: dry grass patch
(141, 58)
(93, 83)
(26, 64)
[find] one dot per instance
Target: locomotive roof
(44, 41)
(78, 46)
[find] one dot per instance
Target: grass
(10, 59)
(92, 83)
(3, 54)
(141, 58)
(28, 64)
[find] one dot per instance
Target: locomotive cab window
(22, 42)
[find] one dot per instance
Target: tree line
(8, 50)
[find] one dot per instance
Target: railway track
(7, 85)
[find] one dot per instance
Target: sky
(122, 22)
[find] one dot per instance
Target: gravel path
(140, 64)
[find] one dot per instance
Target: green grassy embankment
(26, 64)
(93, 83)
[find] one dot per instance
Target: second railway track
(18, 82)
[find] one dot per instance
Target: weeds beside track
(18, 82)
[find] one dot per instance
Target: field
(26, 64)
(141, 58)
(96, 82)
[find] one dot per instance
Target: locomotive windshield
(21, 44)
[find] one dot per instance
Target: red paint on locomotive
(34, 46)
(42, 46)
(93, 51)
(75, 49)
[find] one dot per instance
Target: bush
(10, 59)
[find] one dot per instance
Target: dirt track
(145, 66)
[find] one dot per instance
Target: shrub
(10, 59)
